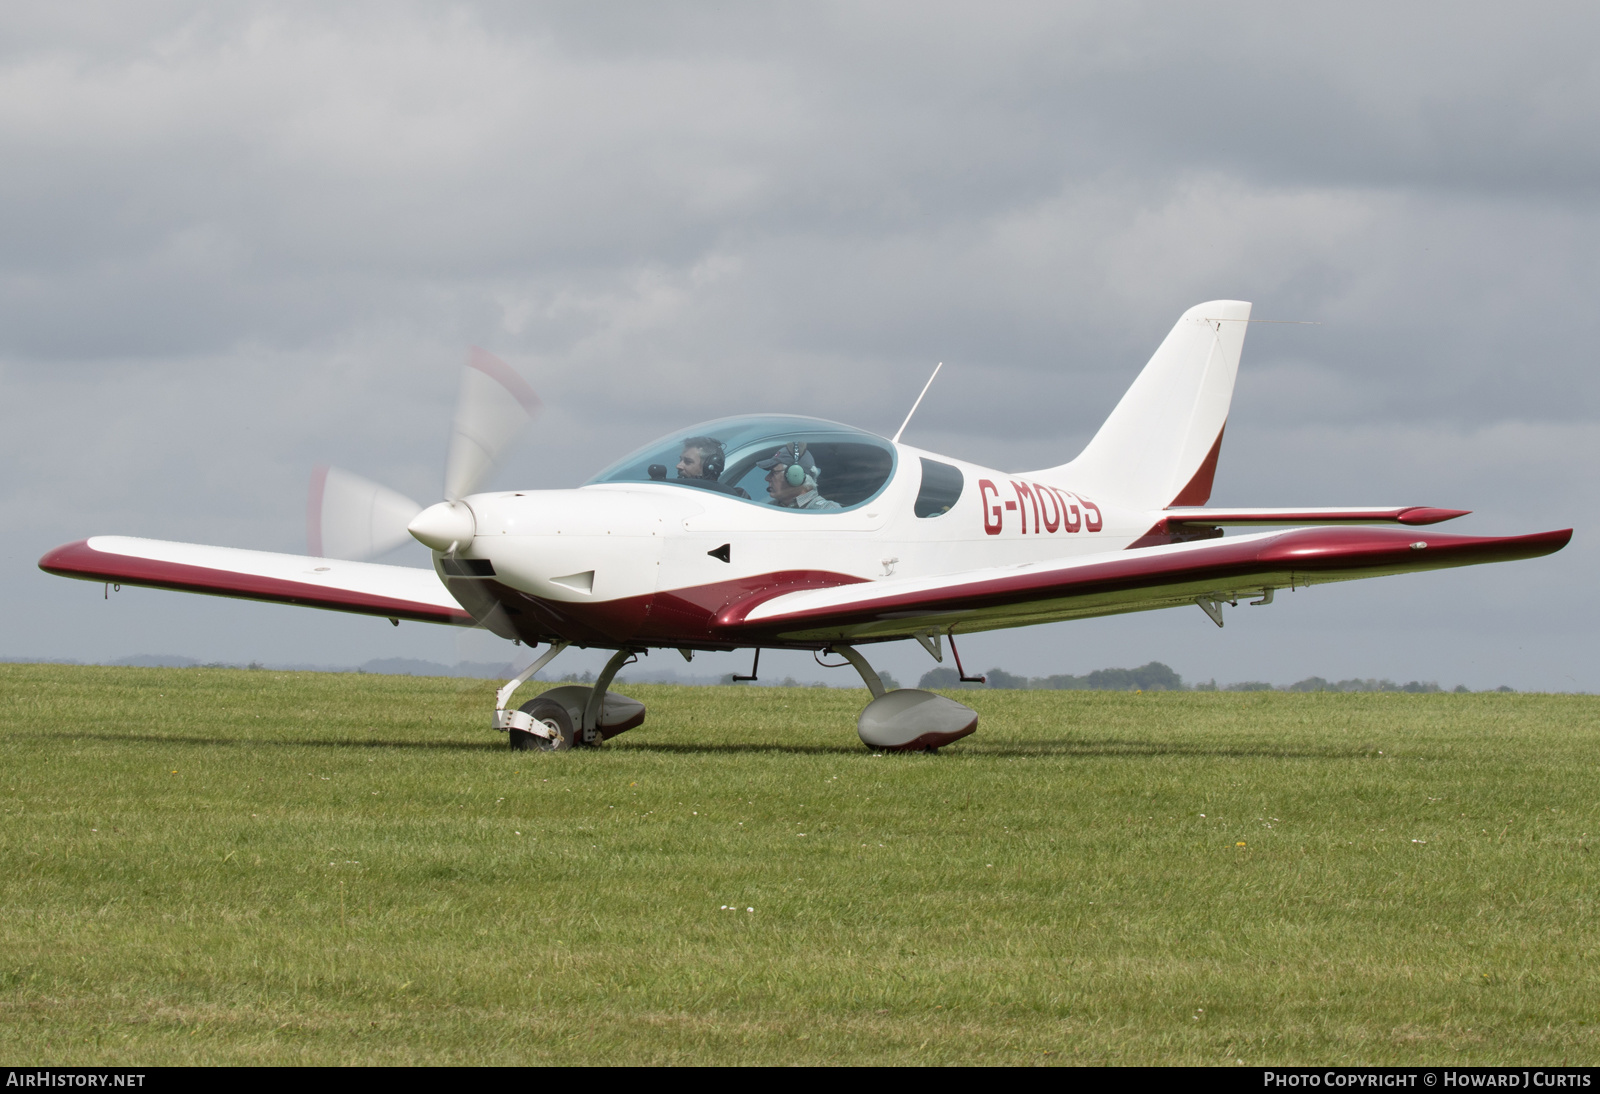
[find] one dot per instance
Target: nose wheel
(551, 717)
(567, 717)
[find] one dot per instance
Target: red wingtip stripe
(506, 376)
(57, 560)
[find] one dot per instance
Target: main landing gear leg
(868, 675)
(907, 719)
(589, 731)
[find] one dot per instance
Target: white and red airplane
(783, 532)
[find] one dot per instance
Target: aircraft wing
(1112, 582)
(365, 588)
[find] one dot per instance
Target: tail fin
(1159, 446)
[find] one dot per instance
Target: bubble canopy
(839, 466)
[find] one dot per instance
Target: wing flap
(1115, 582)
(364, 588)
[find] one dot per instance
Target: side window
(849, 472)
(941, 488)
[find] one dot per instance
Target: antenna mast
(896, 438)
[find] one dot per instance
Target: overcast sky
(237, 241)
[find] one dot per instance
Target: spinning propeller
(348, 516)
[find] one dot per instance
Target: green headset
(795, 473)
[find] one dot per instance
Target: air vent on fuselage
(723, 553)
(466, 567)
(580, 583)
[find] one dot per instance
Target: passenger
(792, 478)
(702, 464)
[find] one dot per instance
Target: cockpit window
(795, 463)
(941, 488)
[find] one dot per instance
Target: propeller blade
(348, 516)
(494, 404)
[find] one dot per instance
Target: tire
(555, 718)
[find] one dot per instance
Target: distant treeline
(1158, 677)
(1151, 677)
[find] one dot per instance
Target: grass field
(217, 866)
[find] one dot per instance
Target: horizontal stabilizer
(1261, 518)
(365, 588)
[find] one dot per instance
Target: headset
(796, 472)
(712, 458)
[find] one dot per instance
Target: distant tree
(1415, 688)
(1113, 680)
(1462, 689)
(1502, 687)
(889, 682)
(1000, 678)
(1151, 677)
(1311, 683)
(934, 679)
(1249, 685)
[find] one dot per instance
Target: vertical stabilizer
(1160, 445)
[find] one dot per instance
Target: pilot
(792, 478)
(702, 463)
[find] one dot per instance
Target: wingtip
(65, 560)
(1544, 543)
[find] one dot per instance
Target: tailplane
(1159, 447)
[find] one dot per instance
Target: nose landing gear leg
(524, 729)
(573, 715)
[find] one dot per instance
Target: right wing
(365, 588)
(1110, 583)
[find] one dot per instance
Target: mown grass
(215, 866)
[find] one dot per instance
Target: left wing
(365, 588)
(1113, 582)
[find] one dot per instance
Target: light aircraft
(781, 532)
